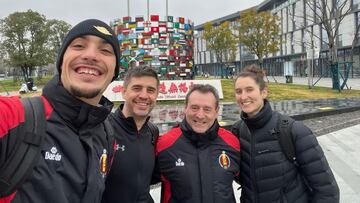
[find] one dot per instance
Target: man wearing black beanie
(77, 145)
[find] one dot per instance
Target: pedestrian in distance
(198, 160)
(268, 173)
(76, 145)
(134, 161)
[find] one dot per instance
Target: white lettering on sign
(168, 89)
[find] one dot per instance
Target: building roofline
(269, 4)
(229, 17)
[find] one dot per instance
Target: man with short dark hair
(76, 149)
(198, 160)
(134, 161)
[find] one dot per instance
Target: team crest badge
(102, 30)
(224, 160)
(103, 163)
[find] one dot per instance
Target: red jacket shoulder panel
(229, 138)
(7, 199)
(168, 139)
(47, 106)
(11, 114)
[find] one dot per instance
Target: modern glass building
(303, 40)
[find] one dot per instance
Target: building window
(302, 41)
(357, 20)
(324, 39)
(282, 21)
(293, 17)
(292, 43)
(340, 40)
(304, 11)
(356, 4)
(287, 19)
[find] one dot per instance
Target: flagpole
(167, 9)
(128, 7)
(148, 15)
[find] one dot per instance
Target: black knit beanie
(90, 27)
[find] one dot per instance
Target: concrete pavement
(342, 151)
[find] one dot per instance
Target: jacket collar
(128, 123)
(260, 119)
(199, 139)
(76, 113)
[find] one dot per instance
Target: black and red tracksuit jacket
(134, 161)
(68, 169)
(198, 168)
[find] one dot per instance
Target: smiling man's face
(140, 96)
(88, 67)
(201, 111)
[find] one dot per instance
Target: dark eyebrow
(152, 88)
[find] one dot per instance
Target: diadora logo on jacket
(179, 162)
(53, 155)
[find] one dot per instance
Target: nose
(91, 53)
(200, 114)
(243, 95)
(143, 94)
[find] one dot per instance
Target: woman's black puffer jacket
(268, 176)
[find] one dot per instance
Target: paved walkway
(354, 83)
(343, 157)
(342, 151)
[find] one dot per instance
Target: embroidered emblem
(102, 30)
(179, 162)
(53, 155)
(103, 163)
(224, 160)
(122, 147)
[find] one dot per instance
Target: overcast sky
(73, 11)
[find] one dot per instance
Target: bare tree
(328, 15)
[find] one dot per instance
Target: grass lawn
(10, 85)
(278, 91)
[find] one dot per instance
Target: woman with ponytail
(266, 173)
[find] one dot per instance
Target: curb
(323, 113)
(312, 115)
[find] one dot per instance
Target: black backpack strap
(287, 143)
(27, 150)
(235, 129)
(154, 132)
(239, 128)
(286, 138)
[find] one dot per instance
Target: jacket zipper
(139, 166)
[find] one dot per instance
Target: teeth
(142, 103)
(88, 71)
(200, 122)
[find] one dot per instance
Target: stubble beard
(78, 92)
